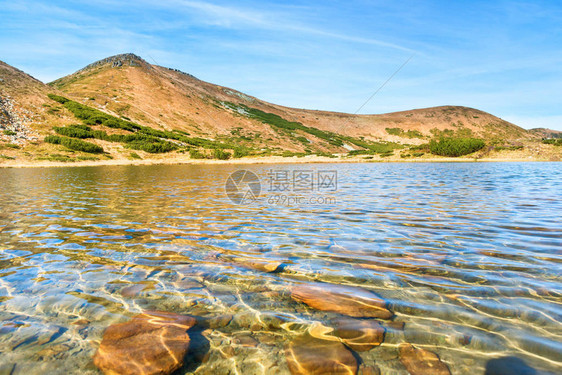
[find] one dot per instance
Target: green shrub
(196, 154)
(240, 153)
(401, 133)
(134, 155)
(455, 147)
(87, 158)
(156, 147)
(422, 147)
(57, 98)
(360, 152)
(74, 144)
(12, 145)
(414, 134)
(394, 131)
(302, 140)
(74, 131)
(221, 154)
(9, 132)
(555, 142)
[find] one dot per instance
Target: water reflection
(467, 257)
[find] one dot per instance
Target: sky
(502, 57)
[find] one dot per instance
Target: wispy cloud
(280, 20)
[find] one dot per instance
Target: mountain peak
(124, 59)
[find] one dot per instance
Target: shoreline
(256, 160)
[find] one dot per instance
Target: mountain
(128, 86)
(546, 133)
(122, 107)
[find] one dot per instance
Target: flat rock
(359, 335)
(421, 362)
(351, 301)
(307, 355)
(151, 343)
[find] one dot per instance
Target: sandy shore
(253, 160)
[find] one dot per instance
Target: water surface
(467, 256)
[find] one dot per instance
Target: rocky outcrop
(125, 59)
(13, 120)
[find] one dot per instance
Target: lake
(466, 257)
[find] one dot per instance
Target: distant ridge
(546, 133)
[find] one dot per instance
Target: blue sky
(504, 57)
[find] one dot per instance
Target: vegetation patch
(508, 148)
(143, 138)
(240, 153)
(555, 142)
(74, 144)
(280, 123)
(221, 154)
(455, 147)
(9, 132)
(58, 158)
(394, 131)
(196, 154)
(405, 134)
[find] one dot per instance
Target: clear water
(468, 256)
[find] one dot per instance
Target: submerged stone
(151, 343)
(133, 290)
(307, 355)
(369, 370)
(351, 301)
(359, 335)
(421, 362)
(219, 321)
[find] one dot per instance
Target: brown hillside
(164, 98)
